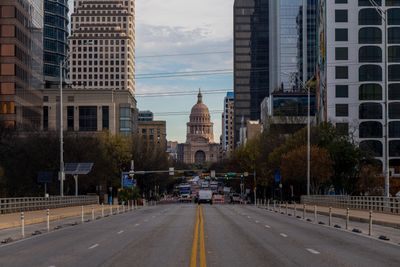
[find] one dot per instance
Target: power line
(185, 54)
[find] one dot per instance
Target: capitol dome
(200, 111)
(200, 124)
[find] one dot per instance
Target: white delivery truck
(205, 196)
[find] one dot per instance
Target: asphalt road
(185, 235)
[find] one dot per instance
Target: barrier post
(22, 224)
(347, 218)
(330, 216)
(92, 214)
(370, 223)
(82, 214)
(48, 220)
(315, 214)
(102, 210)
(304, 211)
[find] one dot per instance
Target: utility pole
(308, 142)
(62, 173)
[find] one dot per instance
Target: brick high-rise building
(21, 50)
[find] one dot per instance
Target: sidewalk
(390, 220)
(33, 217)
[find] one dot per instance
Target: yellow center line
(199, 225)
(193, 259)
(203, 262)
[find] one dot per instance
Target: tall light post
(386, 162)
(61, 174)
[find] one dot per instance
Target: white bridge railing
(10, 205)
(374, 203)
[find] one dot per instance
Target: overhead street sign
(78, 168)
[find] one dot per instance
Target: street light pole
(386, 159)
(62, 173)
(308, 143)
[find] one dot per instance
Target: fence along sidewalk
(389, 205)
(11, 205)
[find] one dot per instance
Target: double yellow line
(198, 237)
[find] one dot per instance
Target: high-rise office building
(102, 45)
(55, 39)
(21, 53)
(228, 142)
(292, 43)
(101, 71)
(353, 92)
(251, 59)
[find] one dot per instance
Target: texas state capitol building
(199, 147)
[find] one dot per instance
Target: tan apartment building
(153, 132)
(21, 75)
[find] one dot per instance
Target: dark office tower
(55, 39)
(21, 76)
(251, 59)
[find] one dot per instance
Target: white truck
(205, 196)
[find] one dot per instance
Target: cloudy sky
(171, 27)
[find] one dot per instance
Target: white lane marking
(120, 232)
(146, 220)
(249, 217)
(313, 251)
(94, 246)
(283, 235)
(257, 221)
(267, 226)
(137, 224)
(153, 216)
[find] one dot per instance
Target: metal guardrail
(389, 205)
(10, 205)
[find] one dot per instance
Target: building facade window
(394, 35)
(370, 111)
(394, 111)
(370, 73)
(341, 15)
(125, 120)
(370, 92)
(370, 129)
(373, 147)
(342, 91)
(369, 16)
(70, 118)
(370, 35)
(342, 72)
(342, 110)
(370, 54)
(341, 53)
(394, 16)
(394, 53)
(394, 129)
(88, 118)
(394, 91)
(341, 35)
(394, 148)
(342, 128)
(105, 117)
(394, 73)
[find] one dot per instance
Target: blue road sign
(128, 182)
(277, 176)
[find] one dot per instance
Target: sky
(183, 27)
(171, 27)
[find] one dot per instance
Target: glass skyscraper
(55, 38)
(293, 53)
(251, 59)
